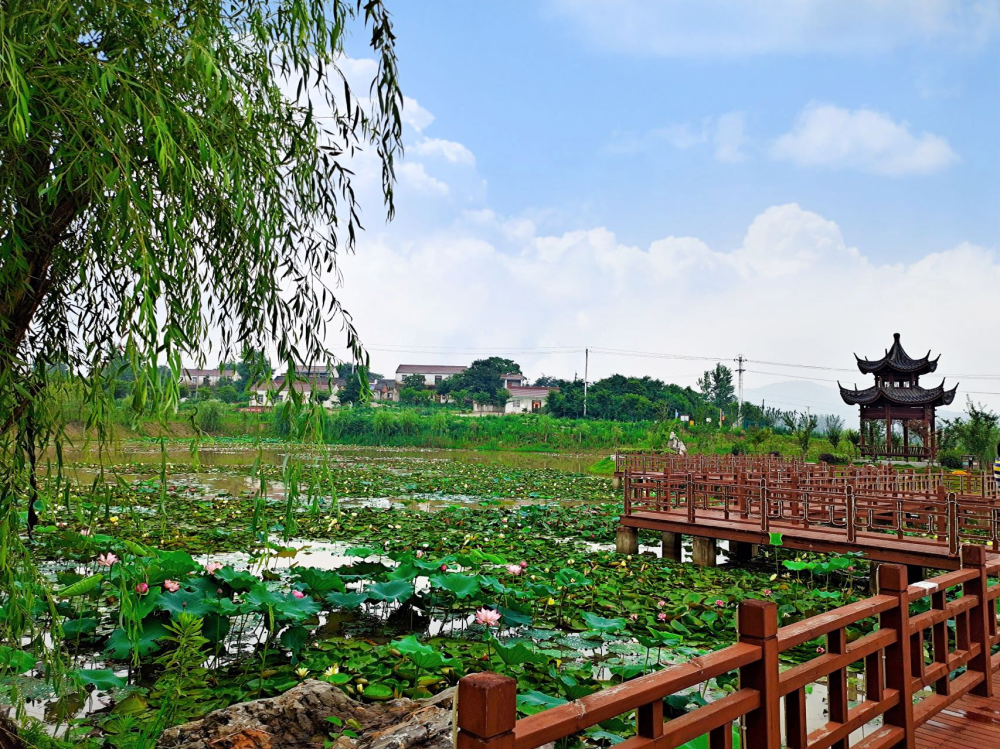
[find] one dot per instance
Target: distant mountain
(820, 399)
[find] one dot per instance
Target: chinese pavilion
(898, 397)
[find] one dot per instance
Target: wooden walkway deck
(876, 546)
(971, 723)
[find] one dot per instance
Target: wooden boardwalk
(972, 722)
(876, 546)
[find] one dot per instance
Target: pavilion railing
(915, 665)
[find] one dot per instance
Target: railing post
(898, 676)
(487, 711)
(974, 557)
(850, 515)
(952, 524)
(758, 625)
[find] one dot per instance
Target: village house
(269, 393)
(513, 380)
(433, 374)
(206, 377)
(384, 390)
(523, 399)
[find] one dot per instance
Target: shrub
(209, 416)
(832, 459)
(739, 448)
(951, 459)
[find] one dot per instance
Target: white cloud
(413, 174)
(827, 136)
(725, 133)
(450, 150)
(415, 115)
(737, 28)
(729, 138)
(794, 290)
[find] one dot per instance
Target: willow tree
(165, 173)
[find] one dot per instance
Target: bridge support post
(672, 546)
(873, 577)
(627, 540)
(705, 552)
(744, 551)
(487, 711)
(616, 482)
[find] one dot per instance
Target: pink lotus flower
(444, 567)
(661, 616)
(420, 554)
(820, 649)
(514, 569)
(85, 531)
(850, 569)
(487, 617)
(720, 603)
(766, 591)
(524, 564)
(633, 617)
(298, 594)
(106, 560)
(661, 604)
(171, 586)
(142, 589)
(212, 567)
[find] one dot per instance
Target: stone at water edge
(297, 720)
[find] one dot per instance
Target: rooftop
(896, 359)
(405, 369)
(902, 396)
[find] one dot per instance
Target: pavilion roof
(896, 359)
(902, 396)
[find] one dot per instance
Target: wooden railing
(783, 471)
(944, 516)
(895, 451)
(915, 665)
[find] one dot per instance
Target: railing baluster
(721, 737)
(796, 729)
(836, 644)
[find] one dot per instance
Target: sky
(688, 181)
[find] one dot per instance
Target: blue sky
(793, 180)
(541, 102)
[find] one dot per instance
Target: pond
(370, 569)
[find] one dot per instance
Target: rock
(297, 719)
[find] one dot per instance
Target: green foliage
(621, 398)
(228, 394)
(481, 382)
(209, 416)
(978, 435)
(717, 386)
(833, 428)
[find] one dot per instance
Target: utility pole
(739, 411)
(586, 367)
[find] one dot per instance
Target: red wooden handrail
(894, 669)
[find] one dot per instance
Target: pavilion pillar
(906, 437)
(888, 433)
(932, 435)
